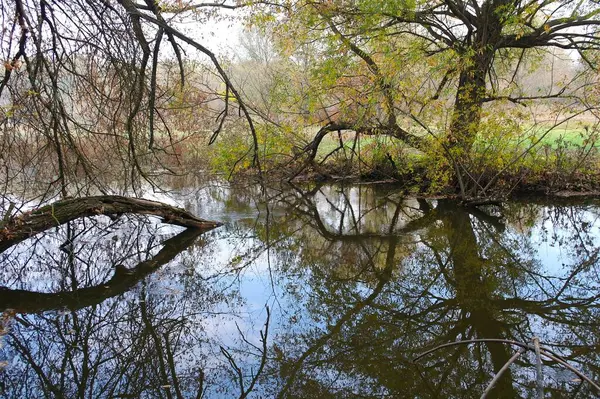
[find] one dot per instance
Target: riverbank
(526, 183)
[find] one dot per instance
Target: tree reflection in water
(428, 273)
(360, 281)
(107, 322)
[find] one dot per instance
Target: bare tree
(88, 97)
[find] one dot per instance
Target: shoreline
(588, 188)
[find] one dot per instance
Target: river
(318, 291)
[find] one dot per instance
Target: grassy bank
(535, 159)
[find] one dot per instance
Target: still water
(305, 292)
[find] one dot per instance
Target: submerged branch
(535, 347)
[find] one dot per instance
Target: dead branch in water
(19, 228)
(523, 347)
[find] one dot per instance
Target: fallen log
(21, 227)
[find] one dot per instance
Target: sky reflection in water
(358, 281)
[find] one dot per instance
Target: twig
(538, 368)
(235, 367)
(263, 358)
(501, 371)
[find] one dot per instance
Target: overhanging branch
(186, 39)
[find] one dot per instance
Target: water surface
(321, 291)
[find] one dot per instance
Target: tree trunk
(20, 228)
(468, 104)
(476, 60)
(474, 293)
(465, 122)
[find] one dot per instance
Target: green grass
(570, 137)
(566, 137)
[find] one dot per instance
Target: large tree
(423, 71)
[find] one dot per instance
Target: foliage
(463, 78)
(232, 152)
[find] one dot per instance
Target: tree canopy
(91, 85)
(440, 71)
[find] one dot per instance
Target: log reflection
(101, 329)
(358, 282)
(123, 280)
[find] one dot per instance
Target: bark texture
(20, 228)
